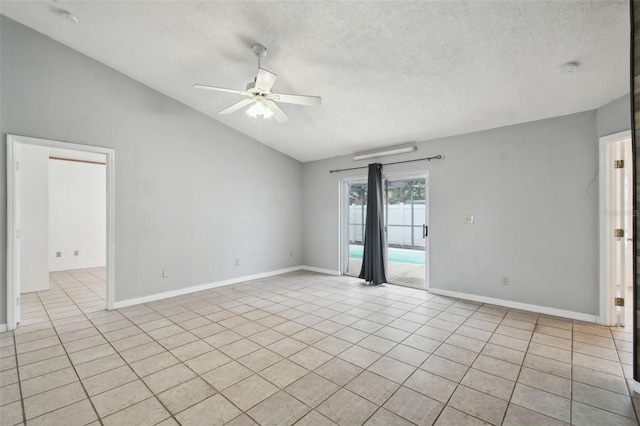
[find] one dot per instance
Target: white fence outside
(399, 224)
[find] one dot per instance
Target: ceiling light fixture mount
(259, 50)
(385, 152)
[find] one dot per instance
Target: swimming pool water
(394, 255)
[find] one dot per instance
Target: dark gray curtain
(375, 253)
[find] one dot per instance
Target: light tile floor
(305, 349)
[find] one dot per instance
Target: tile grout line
(571, 389)
(233, 360)
(446, 404)
(15, 351)
(519, 369)
(153, 394)
(235, 297)
(190, 369)
(72, 366)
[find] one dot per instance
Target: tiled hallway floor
(305, 349)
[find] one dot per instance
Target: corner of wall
(614, 116)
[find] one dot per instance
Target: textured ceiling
(388, 72)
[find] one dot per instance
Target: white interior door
(619, 224)
(14, 263)
(616, 228)
(629, 218)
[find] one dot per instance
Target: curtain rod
(437, 157)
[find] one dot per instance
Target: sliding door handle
(425, 231)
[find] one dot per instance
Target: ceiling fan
(262, 102)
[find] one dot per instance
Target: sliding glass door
(405, 212)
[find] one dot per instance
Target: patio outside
(404, 266)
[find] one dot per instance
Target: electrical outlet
(237, 262)
(505, 280)
(468, 219)
(58, 254)
(76, 252)
(290, 254)
(165, 273)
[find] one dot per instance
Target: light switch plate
(468, 218)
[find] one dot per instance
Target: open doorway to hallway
(62, 212)
(60, 219)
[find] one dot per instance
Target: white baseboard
(188, 290)
(74, 268)
(3, 328)
(321, 270)
(517, 305)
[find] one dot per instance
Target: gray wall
(614, 117)
(192, 195)
(533, 190)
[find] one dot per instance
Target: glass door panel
(405, 221)
(356, 221)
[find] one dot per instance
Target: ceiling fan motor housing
(251, 88)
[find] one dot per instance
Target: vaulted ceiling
(388, 72)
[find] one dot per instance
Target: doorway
(406, 227)
(616, 230)
(19, 229)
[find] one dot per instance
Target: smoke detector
(569, 68)
(70, 17)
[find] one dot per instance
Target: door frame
(343, 205)
(606, 312)
(13, 197)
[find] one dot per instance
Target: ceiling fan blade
(278, 114)
(218, 89)
(243, 103)
(296, 99)
(265, 80)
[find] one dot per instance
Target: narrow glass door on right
(407, 230)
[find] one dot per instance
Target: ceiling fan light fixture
(259, 108)
(256, 109)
